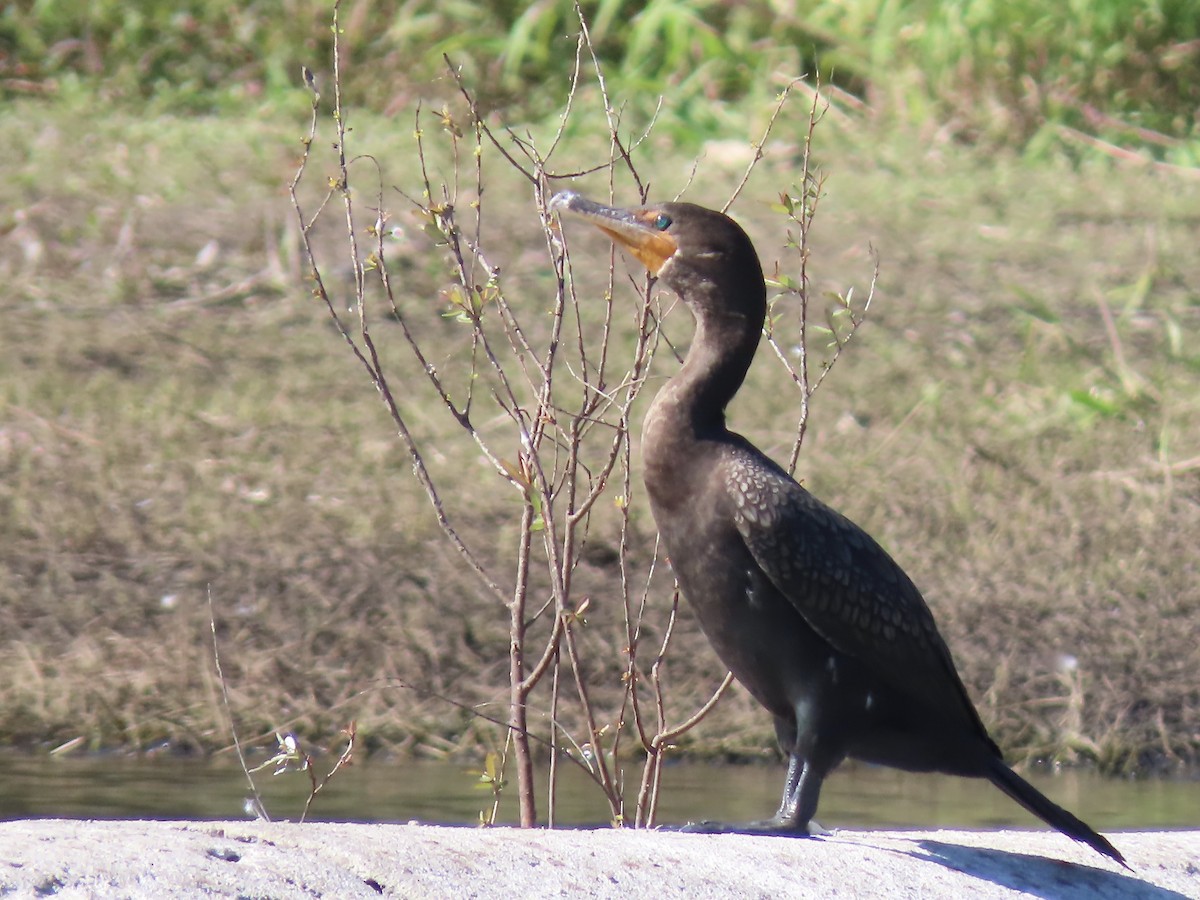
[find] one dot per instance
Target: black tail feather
(1033, 800)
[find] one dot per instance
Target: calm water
(854, 797)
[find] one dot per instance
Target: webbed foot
(773, 826)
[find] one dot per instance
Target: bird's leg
(787, 803)
(801, 790)
(801, 793)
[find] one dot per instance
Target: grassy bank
(1018, 423)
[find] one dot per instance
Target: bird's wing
(840, 580)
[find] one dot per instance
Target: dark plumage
(809, 613)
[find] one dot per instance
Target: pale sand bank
(75, 859)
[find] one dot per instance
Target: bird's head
(702, 255)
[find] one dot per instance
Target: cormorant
(810, 614)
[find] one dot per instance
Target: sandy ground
(72, 858)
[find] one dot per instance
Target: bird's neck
(691, 407)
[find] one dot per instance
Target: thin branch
(260, 808)
(345, 759)
(762, 142)
(369, 359)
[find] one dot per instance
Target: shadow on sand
(1041, 877)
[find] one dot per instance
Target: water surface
(855, 796)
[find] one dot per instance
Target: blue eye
(663, 222)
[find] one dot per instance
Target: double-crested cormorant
(810, 614)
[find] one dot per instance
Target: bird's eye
(662, 222)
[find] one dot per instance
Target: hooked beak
(632, 229)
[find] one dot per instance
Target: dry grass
(1018, 422)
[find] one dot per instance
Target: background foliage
(992, 70)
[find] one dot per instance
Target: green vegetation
(1127, 71)
(1018, 421)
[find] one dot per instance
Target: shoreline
(69, 858)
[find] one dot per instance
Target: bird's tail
(1033, 800)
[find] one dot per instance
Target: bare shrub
(543, 389)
